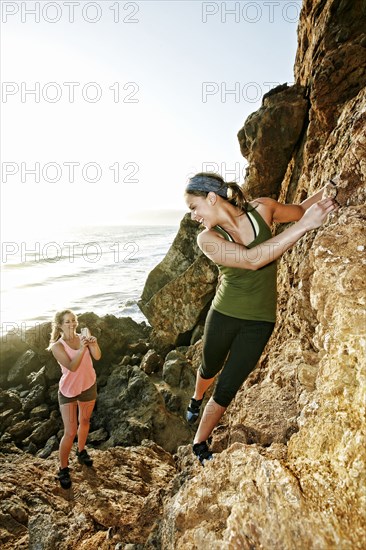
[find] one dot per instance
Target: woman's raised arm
(230, 254)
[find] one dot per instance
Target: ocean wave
(35, 288)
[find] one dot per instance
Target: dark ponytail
(200, 186)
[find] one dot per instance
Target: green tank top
(247, 294)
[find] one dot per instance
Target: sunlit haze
(113, 105)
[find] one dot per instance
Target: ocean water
(99, 269)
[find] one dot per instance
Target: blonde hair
(56, 324)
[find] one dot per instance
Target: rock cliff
(289, 465)
(290, 469)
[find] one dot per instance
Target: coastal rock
(97, 436)
(289, 455)
(306, 398)
(37, 378)
(11, 348)
(172, 368)
(41, 411)
(131, 409)
(184, 278)
(20, 430)
(35, 397)
(330, 62)
(9, 400)
(44, 431)
(138, 348)
(52, 371)
(116, 502)
(191, 294)
(247, 498)
(269, 136)
(50, 446)
(183, 251)
(151, 362)
(114, 336)
(27, 363)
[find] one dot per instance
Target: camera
(85, 332)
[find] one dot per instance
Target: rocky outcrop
(141, 395)
(114, 336)
(112, 505)
(289, 465)
(178, 290)
(269, 136)
(289, 469)
(246, 498)
(131, 408)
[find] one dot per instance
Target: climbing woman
(237, 237)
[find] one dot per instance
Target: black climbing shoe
(193, 410)
(84, 458)
(202, 452)
(63, 476)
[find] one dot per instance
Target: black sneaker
(63, 476)
(84, 458)
(202, 452)
(193, 410)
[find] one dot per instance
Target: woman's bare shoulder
(56, 346)
(209, 233)
(264, 201)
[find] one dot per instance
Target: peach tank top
(73, 383)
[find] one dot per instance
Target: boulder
(41, 411)
(37, 378)
(27, 363)
(173, 370)
(19, 431)
(269, 136)
(131, 409)
(183, 251)
(50, 446)
(151, 362)
(12, 346)
(9, 399)
(35, 397)
(45, 430)
(185, 278)
(97, 437)
(191, 293)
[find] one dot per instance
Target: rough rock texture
(289, 466)
(246, 498)
(116, 502)
(269, 136)
(178, 290)
(114, 335)
(307, 397)
(131, 409)
(131, 405)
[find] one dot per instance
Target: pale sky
(136, 96)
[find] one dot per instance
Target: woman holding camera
(77, 386)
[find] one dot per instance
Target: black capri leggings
(243, 340)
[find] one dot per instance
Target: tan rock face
(268, 138)
(117, 501)
(289, 465)
(307, 396)
(178, 289)
(247, 498)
